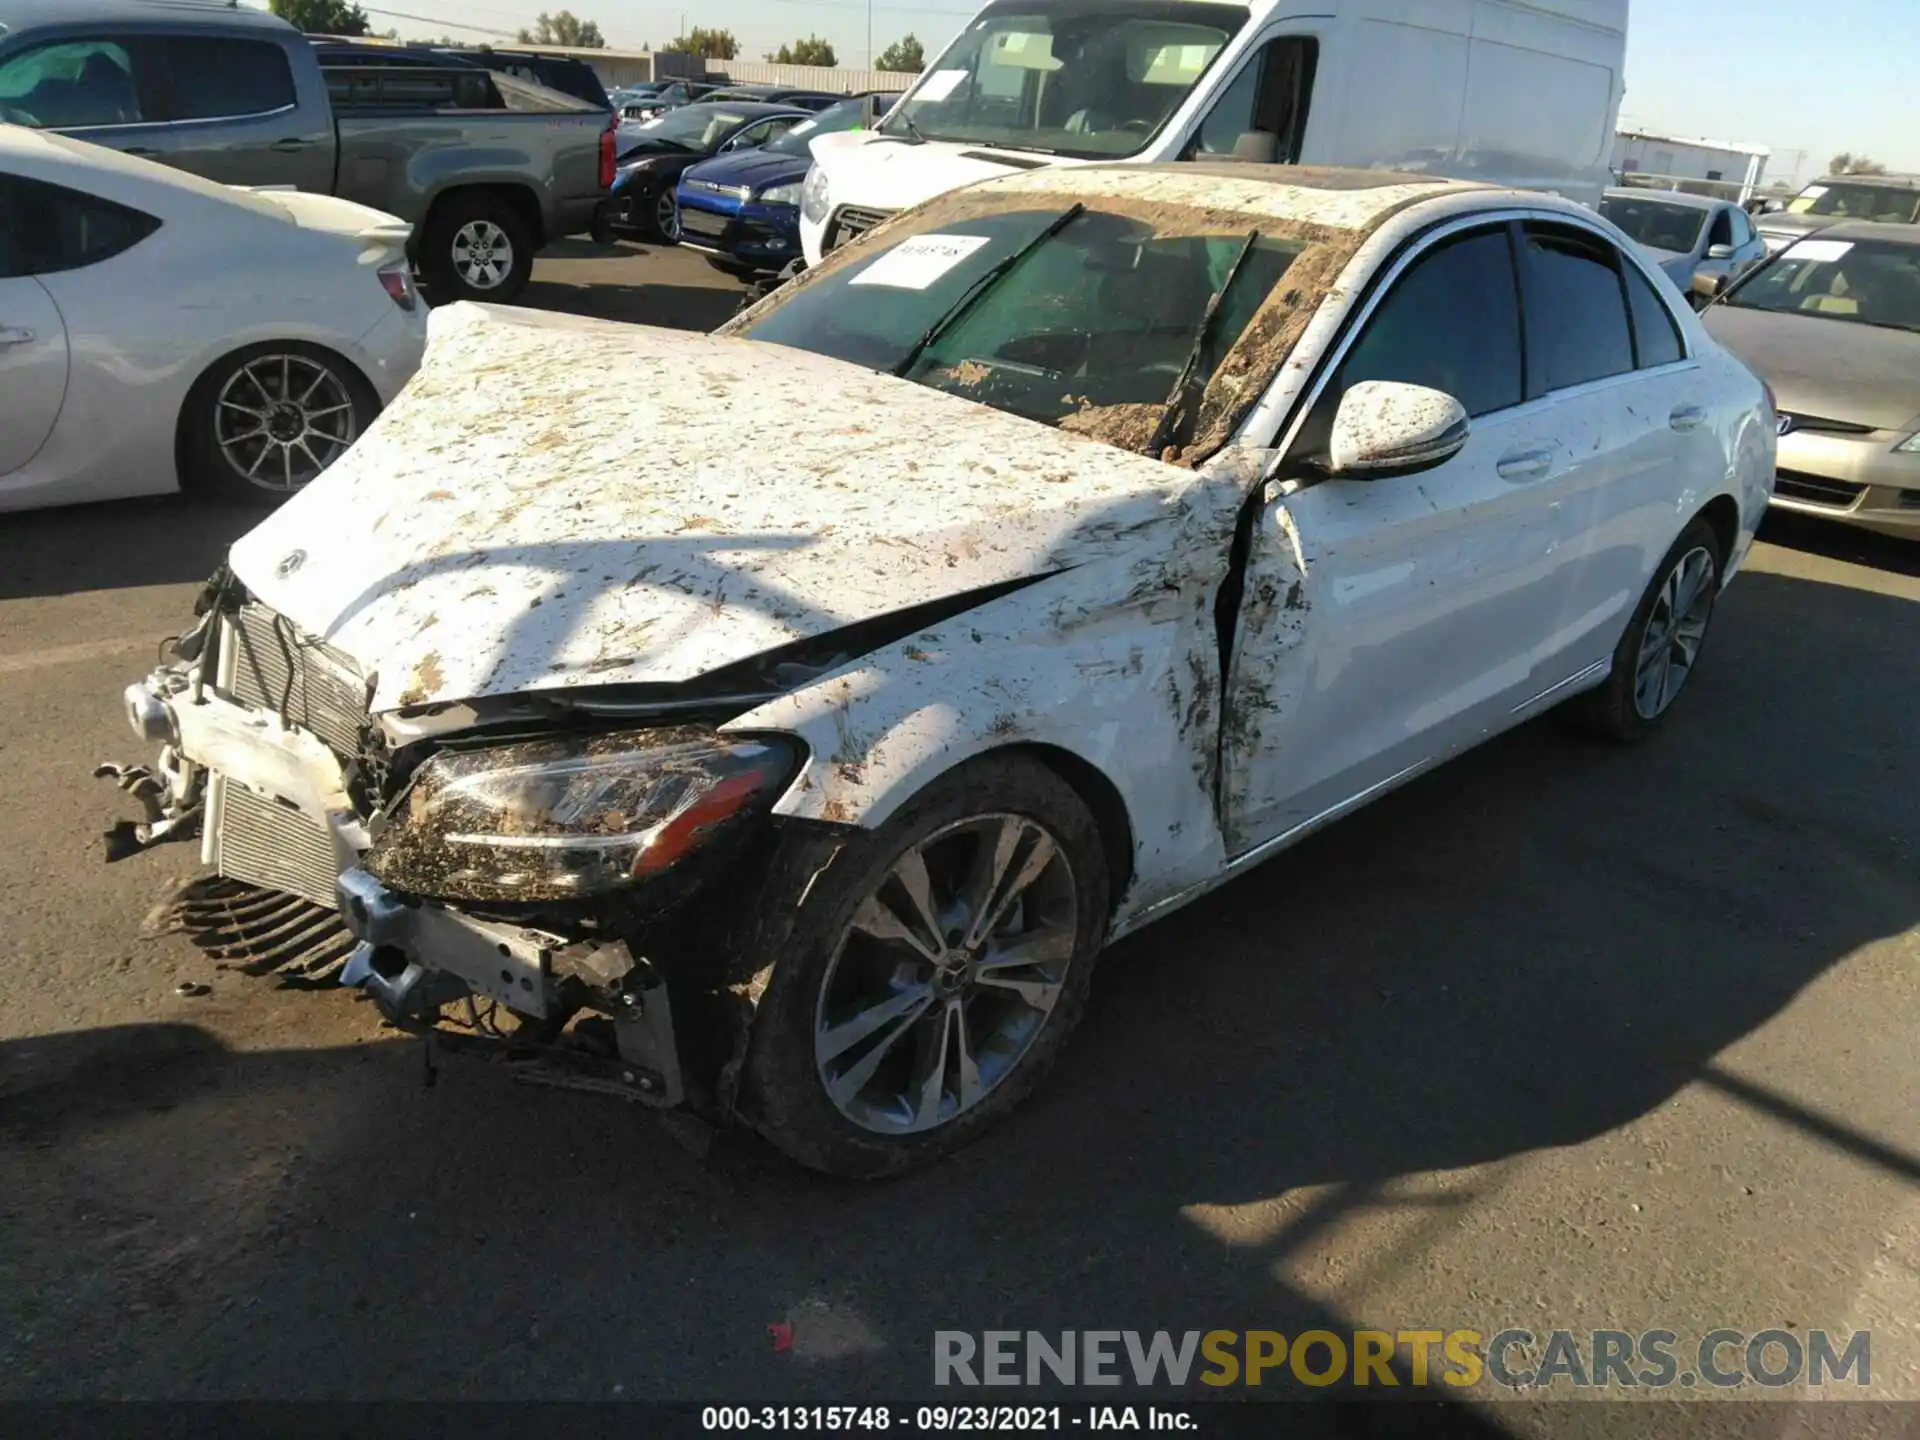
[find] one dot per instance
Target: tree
(904, 54)
(323, 17)
(1848, 163)
(564, 28)
(712, 44)
(810, 51)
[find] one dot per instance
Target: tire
(476, 247)
(281, 386)
(1622, 709)
(820, 971)
(603, 231)
(662, 209)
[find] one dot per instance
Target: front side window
(1861, 282)
(46, 229)
(1743, 235)
(1265, 108)
(1657, 224)
(1888, 204)
(1577, 328)
(1065, 316)
(1452, 323)
(1093, 79)
(74, 84)
(217, 79)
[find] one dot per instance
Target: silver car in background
(1833, 324)
(1688, 236)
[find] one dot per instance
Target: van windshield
(1089, 79)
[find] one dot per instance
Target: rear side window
(46, 229)
(1656, 339)
(219, 79)
(1577, 329)
(76, 84)
(1452, 323)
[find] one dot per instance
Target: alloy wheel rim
(282, 419)
(667, 213)
(1675, 631)
(482, 255)
(946, 974)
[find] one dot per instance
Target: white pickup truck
(1517, 92)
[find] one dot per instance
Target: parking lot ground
(1561, 1036)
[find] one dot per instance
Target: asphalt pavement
(1560, 1036)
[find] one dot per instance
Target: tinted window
(1452, 322)
(45, 229)
(1576, 314)
(1742, 229)
(1655, 337)
(72, 84)
(215, 79)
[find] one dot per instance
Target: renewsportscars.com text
(1391, 1359)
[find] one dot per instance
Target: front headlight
(813, 196)
(781, 194)
(562, 819)
(1908, 446)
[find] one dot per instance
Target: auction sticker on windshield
(940, 84)
(915, 264)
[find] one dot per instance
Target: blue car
(743, 209)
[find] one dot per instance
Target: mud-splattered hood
(558, 502)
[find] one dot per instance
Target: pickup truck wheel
(267, 420)
(476, 249)
(931, 973)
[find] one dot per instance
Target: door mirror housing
(1719, 252)
(1708, 287)
(1384, 427)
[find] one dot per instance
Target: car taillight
(606, 158)
(397, 280)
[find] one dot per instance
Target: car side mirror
(1708, 287)
(1384, 427)
(1719, 252)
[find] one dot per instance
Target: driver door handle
(1686, 417)
(15, 337)
(1525, 465)
(291, 144)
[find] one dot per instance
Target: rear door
(237, 114)
(104, 87)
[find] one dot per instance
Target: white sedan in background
(159, 332)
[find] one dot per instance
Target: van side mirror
(1384, 427)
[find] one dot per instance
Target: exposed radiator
(271, 665)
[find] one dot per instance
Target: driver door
(1386, 623)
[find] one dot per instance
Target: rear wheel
(476, 247)
(268, 420)
(932, 973)
(1656, 657)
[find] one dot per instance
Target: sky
(1806, 80)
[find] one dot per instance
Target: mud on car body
(1128, 525)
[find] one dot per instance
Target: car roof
(1868, 230)
(1669, 197)
(144, 184)
(22, 14)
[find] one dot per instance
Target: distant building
(1682, 162)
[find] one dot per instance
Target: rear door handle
(1526, 465)
(1686, 417)
(16, 337)
(291, 144)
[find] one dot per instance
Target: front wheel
(666, 215)
(476, 248)
(267, 420)
(1657, 655)
(932, 973)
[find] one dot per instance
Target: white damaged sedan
(1032, 567)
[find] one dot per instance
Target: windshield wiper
(1173, 420)
(978, 289)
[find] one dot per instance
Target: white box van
(1518, 92)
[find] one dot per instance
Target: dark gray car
(488, 168)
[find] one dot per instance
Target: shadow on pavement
(1535, 945)
(1842, 542)
(675, 307)
(165, 540)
